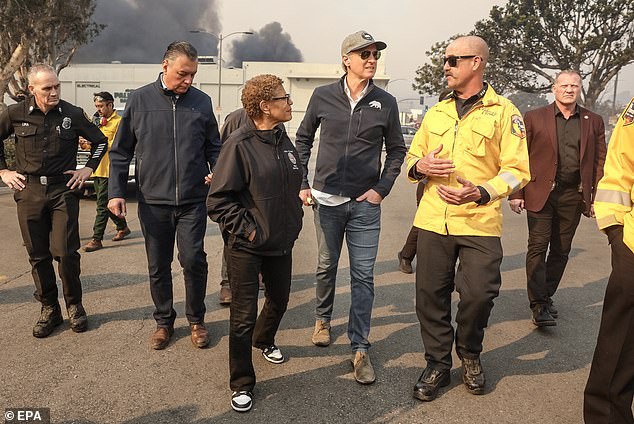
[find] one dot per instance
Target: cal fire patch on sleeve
(517, 126)
(628, 114)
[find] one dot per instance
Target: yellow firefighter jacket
(615, 192)
(488, 147)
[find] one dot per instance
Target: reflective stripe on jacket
(613, 202)
(487, 147)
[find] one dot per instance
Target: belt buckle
(43, 180)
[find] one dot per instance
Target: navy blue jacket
(176, 142)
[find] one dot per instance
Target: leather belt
(562, 185)
(47, 179)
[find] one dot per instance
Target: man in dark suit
(566, 145)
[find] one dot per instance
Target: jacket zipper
(175, 148)
(455, 136)
(345, 157)
(284, 186)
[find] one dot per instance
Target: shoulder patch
(628, 114)
(517, 126)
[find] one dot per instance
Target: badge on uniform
(517, 126)
(628, 115)
(66, 122)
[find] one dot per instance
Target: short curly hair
(257, 89)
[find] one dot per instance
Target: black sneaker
(77, 317)
(50, 317)
(242, 401)
(273, 354)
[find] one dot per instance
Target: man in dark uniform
(47, 132)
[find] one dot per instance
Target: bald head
(473, 45)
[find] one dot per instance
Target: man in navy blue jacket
(171, 127)
(356, 119)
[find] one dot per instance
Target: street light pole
(220, 38)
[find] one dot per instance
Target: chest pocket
(439, 130)
(482, 132)
(25, 139)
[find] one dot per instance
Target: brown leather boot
(200, 335)
(161, 337)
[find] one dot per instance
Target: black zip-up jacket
(349, 157)
(256, 186)
(176, 142)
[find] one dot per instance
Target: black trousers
(161, 226)
(480, 259)
(245, 330)
(409, 249)
(551, 230)
(610, 389)
(48, 217)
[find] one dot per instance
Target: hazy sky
(409, 27)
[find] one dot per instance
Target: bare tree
(47, 31)
(530, 40)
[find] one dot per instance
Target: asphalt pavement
(110, 374)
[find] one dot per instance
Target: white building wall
(80, 81)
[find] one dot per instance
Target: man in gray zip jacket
(356, 119)
(171, 127)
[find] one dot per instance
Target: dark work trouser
(610, 388)
(48, 217)
(480, 259)
(246, 327)
(409, 249)
(161, 225)
(100, 185)
(551, 230)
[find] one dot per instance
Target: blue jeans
(361, 223)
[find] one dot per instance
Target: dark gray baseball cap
(359, 40)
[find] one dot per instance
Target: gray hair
(178, 48)
(567, 72)
(37, 68)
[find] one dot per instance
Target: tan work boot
(321, 334)
(363, 370)
(121, 234)
(93, 245)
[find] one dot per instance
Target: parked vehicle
(408, 134)
(82, 158)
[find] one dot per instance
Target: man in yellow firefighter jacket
(472, 149)
(610, 389)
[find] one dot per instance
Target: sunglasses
(286, 97)
(453, 60)
(365, 54)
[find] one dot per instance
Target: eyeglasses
(286, 97)
(453, 60)
(365, 54)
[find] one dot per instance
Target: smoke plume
(138, 31)
(269, 44)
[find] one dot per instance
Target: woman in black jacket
(254, 196)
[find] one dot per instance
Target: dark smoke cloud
(269, 44)
(138, 31)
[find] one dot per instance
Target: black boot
(77, 317)
(50, 317)
(542, 316)
(429, 382)
(473, 376)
